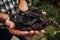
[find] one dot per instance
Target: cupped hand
(12, 30)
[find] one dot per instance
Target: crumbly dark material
(30, 20)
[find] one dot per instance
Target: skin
(10, 25)
(23, 6)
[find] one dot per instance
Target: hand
(23, 6)
(12, 30)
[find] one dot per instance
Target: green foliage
(52, 13)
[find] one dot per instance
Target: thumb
(9, 24)
(23, 6)
(12, 25)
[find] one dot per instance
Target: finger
(31, 33)
(7, 22)
(44, 13)
(23, 6)
(42, 31)
(10, 24)
(18, 32)
(36, 32)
